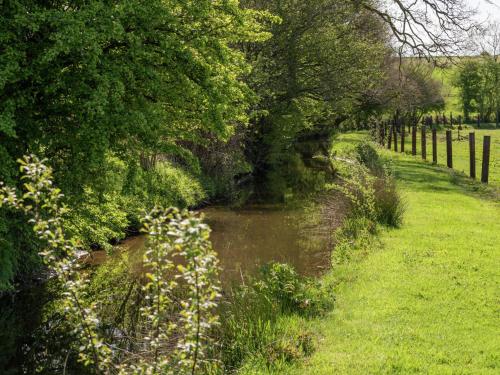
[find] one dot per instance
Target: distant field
(461, 150)
(450, 93)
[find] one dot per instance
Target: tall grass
(389, 205)
(260, 320)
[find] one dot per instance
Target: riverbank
(425, 299)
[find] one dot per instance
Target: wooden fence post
(414, 140)
(402, 138)
(424, 143)
(472, 154)
(434, 146)
(486, 159)
(449, 151)
(395, 137)
(389, 137)
(384, 133)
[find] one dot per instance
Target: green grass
(425, 300)
(461, 150)
(450, 92)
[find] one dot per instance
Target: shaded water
(244, 239)
(250, 237)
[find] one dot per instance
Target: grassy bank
(461, 150)
(425, 299)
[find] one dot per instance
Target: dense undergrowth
(259, 324)
(263, 321)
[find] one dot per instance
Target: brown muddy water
(247, 238)
(244, 239)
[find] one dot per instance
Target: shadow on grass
(424, 176)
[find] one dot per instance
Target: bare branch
(427, 28)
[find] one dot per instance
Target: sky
(486, 10)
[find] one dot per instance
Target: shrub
(252, 313)
(171, 186)
(173, 333)
(367, 155)
(371, 190)
(358, 187)
(97, 220)
(390, 206)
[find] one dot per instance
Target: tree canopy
(178, 102)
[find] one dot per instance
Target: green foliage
(389, 204)
(479, 83)
(172, 235)
(97, 220)
(281, 284)
(470, 82)
(367, 155)
(352, 240)
(358, 187)
(370, 187)
(97, 87)
(42, 201)
(167, 185)
(311, 76)
(257, 318)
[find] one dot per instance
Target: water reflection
(249, 237)
(32, 336)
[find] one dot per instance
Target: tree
(310, 78)
(489, 43)
(88, 81)
(426, 28)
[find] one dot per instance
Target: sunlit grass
(451, 93)
(461, 150)
(424, 301)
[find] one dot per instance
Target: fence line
(386, 133)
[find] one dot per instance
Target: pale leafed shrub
(175, 335)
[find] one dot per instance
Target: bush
(390, 206)
(367, 155)
(251, 329)
(358, 188)
(163, 185)
(171, 186)
(371, 189)
(97, 220)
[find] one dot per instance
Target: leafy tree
(84, 82)
(310, 77)
(470, 82)
(478, 81)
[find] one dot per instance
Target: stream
(244, 239)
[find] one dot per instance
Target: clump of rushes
(174, 336)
